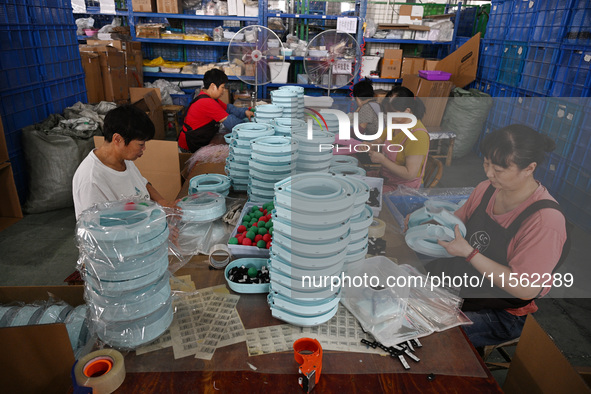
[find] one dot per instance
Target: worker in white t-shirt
(108, 172)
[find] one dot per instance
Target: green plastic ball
(271, 230)
(268, 225)
(254, 208)
(262, 244)
(252, 271)
(250, 235)
(233, 241)
(262, 231)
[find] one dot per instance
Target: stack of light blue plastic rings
(202, 207)
(327, 122)
(124, 248)
(273, 159)
(291, 99)
(315, 154)
(239, 155)
(312, 228)
(73, 318)
(217, 183)
(267, 112)
(289, 126)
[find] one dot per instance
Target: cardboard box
(144, 5)
(112, 63)
(462, 63)
(149, 100)
(431, 64)
(169, 7)
(392, 63)
(410, 14)
(411, 66)
(37, 359)
(436, 94)
(538, 366)
(10, 207)
(159, 165)
(93, 77)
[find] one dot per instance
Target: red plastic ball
(241, 228)
(258, 237)
(269, 245)
(246, 242)
(254, 225)
(267, 237)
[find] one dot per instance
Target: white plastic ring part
(344, 159)
(298, 273)
(347, 170)
(423, 239)
(203, 207)
(302, 308)
(306, 262)
(314, 294)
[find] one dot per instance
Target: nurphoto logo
(393, 120)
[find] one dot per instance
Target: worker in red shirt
(206, 112)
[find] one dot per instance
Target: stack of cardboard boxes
(160, 6)
(111, 68)
(462, 65)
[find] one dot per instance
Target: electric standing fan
(332, 59)
(257, 50)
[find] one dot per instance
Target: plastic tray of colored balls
(253, 235)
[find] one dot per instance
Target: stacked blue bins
(124, 255)
(40, 70)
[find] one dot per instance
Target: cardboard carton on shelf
(160, 165)
(411, 66)
(391, 64)
(144, 5)
(169, 7)
(149, 100)
(93, 77)
(436, 94)
(112, 64)
(37, 359)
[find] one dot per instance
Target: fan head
(257, 50)
(332, 59)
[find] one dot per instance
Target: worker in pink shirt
(515, 229)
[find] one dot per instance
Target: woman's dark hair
(215, 76)
(399, 98)
(517, 144)
(130, 122)
(363, 88)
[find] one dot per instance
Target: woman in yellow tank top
(403, 163)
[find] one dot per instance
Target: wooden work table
(449, 363)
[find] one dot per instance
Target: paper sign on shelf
(342, 67)
(347, 25)
(78, 6)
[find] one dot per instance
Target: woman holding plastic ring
(402, 158)
(515, 229)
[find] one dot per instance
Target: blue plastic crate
(503, 104)
(581, 151)
(498, 21)
(549, 173)
(44, 15)
(561, 122)
(460, 41)
(65, 92)
(204, 54)
(573, 194)
(181, 99)
(490, 59)
(166, 51)
(512, 61)
(467, 21)
(14, 12)
(19, 57)
(23, 106)
(578, 31)
(551, 21)
(573, 73)
(528, 110)
(539, 67)
(522, 19)
(402, 205)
